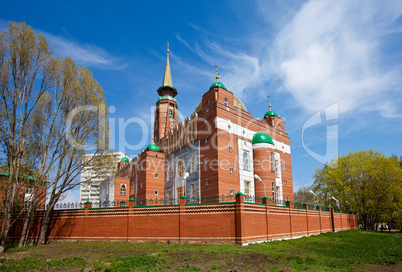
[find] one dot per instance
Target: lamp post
(260, 180)
(336, 200)
(185, 176)
(349, 204)
(314, 195)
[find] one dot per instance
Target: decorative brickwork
(233, 222)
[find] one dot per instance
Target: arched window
(123, 189)
(170, 114)
(245, 161)
(180, 168)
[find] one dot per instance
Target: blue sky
(332, 68)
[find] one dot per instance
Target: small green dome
(153, 147)
(125, 159)
(217, 84)
(261, 137)
(270, 113)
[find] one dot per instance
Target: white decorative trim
(230, 127)
(263, 145)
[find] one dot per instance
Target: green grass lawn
(342, 251)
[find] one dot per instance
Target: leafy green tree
(365, 181)
(53, 113)
(23, 81)
(303, 195)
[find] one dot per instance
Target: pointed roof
(167, 77)
(167, 80)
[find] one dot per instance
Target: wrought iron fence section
(175, 201)
(298, 205)
(312, 207)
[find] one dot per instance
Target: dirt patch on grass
(379, 268)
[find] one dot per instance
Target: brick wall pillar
(331, 210)
(306, 207)
(239, 219)
(87, 206)
(289, 205)
(182, 222)
(265, 200)
(130, 219)
(319, 216)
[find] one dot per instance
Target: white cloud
(238, 69)
(332, 52)
(83, 54)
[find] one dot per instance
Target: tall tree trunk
(6, 225)
(27, 224)
(45, 224)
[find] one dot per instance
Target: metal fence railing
(175, 201)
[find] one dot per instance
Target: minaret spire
(167, 77)
(269, 101)
(217, 73)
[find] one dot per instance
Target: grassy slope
(342, 251)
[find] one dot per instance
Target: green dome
(217, 84)
(125, 159)
(270, 113)
(262, 137)
(153, 147)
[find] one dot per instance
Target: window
(141, 185)
(193, 190)
(193, 141)
(170, 114)
(156, 175)
(230, 149)
(286, 198)
(206, 120)
(272, 161)
(193, 163)
(168, 173)
(207, 182)
(180, 168)
(226, 101)
(245, 161)
(169, 194)
(279, 126)
(206, 140)
(247, 187)
(123, 189)
(28, 191)
(231, 170)
(180, 192)
(286, 182)
(206, 161)
(273, 191)
(156, 192)
(231, 192)
(276, 169)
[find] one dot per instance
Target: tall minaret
(166, 113)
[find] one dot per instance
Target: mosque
(221, 149)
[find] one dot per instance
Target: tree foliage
(52, 113)
(303, 195)
(365, 181)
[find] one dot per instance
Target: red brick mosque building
(221, 149)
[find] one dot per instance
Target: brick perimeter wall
(236, 222)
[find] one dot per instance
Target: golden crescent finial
(269, 102)
(217, 73)
(168, 47)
